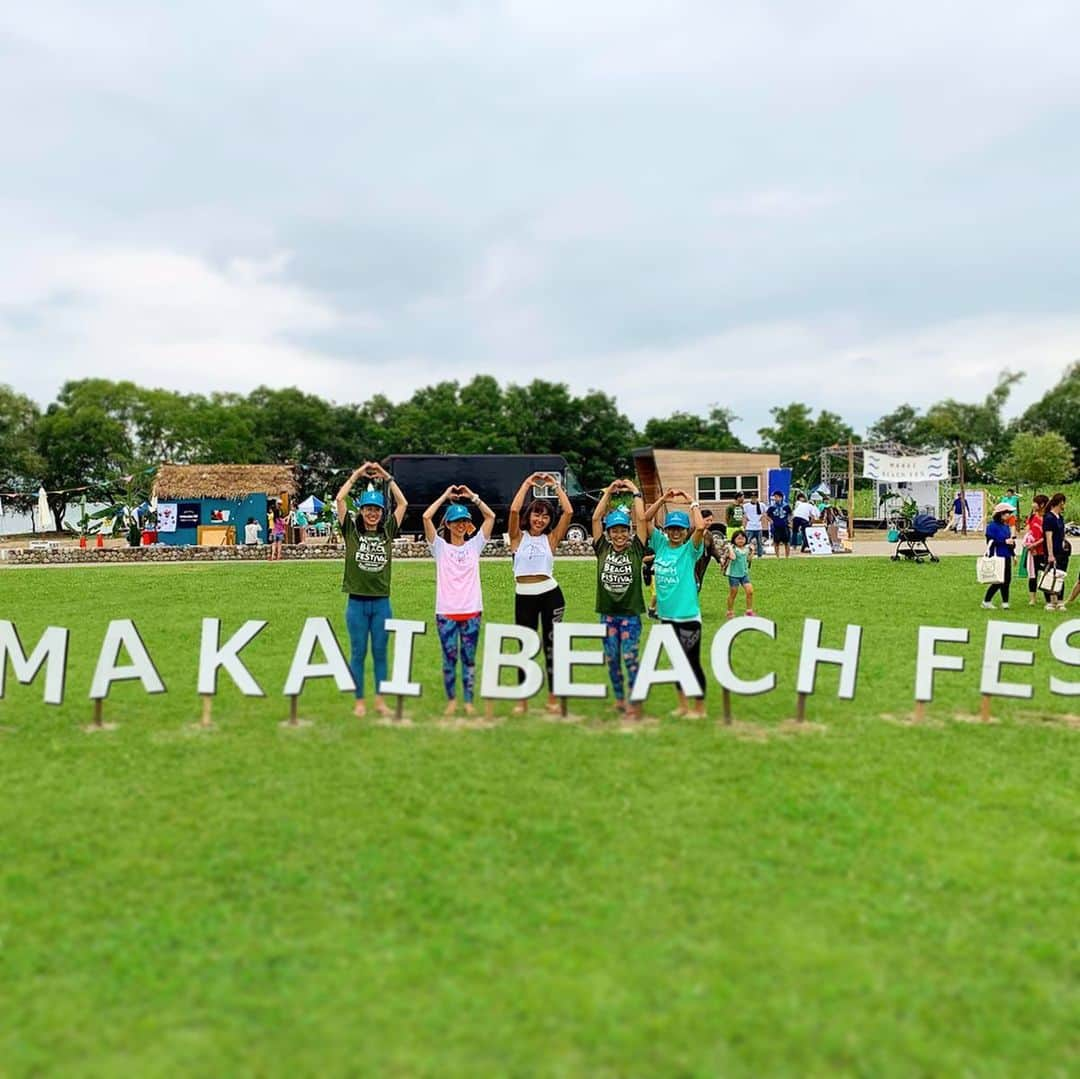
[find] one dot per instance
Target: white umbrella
(42, 510)
(311, 506)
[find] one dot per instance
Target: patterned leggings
(622, 645)
(458, 639)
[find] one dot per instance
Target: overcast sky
(680, 203)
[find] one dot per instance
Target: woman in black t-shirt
(1057, 553)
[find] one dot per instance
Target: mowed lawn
(862, 896)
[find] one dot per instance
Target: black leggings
(1039, 562)
(1003, 587)
(542, 612)
(689, 634)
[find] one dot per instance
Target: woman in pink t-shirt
(458, 599)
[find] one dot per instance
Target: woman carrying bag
(1057, 555)
(1035, 545)
(1001, 544)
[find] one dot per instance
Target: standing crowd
(1042, 550)
(634, 553)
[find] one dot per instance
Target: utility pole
(963, 491)
(851, 493)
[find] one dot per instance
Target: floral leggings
(458, 639)
(622, 645)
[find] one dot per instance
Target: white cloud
(680, 202)
(160, 318)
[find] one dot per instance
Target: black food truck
(495, 477)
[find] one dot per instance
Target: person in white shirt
(251, 532)
(803, 513)
(753, 512)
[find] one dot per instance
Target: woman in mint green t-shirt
(677, 547)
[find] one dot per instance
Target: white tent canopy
(43, 512)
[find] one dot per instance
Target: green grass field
(861, 897)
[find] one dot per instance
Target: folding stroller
(913, 537)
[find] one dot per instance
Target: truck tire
(576, 534)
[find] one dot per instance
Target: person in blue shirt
(1002, 544)
(677, 547)
(779, 514)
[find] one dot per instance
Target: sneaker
(750, 613)
(987, 605)
(1051, 606)
(652, 613)
(1004, 606)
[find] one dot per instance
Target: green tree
(685, 431)
(485, 420)
(1039, 459)
(543, 415)
(798, 438)
(84, 438)
(20, 465)
(599, 446)
(1058, 409)
(903, 425)
(979, 428)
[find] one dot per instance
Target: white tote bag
(1051, 580)
(990, 569)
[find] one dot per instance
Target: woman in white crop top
(538, 599)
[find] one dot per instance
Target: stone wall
(14, 556)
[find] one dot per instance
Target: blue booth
(209, 505)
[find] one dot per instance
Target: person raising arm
(619, 536)
(369, 550)
(678, 545)
(458, 596)
(538, 599)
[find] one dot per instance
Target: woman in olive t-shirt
(369, 551)
(619, 542)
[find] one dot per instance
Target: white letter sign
(213, 657)
(123, 634)
(398, 683)
(564, 657)
(995, 656)
(927, 661)
(51, 651)
(720, 655)
(317, 631)
(495, 661)
(663, 640)
(847, 658)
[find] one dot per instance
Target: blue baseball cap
(372, 498)
(677, 519)
(457, 513)
(617, 517)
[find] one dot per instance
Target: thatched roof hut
(224, 481)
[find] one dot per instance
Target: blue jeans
(753, 535)
(366, 616)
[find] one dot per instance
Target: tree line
(105, 436)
